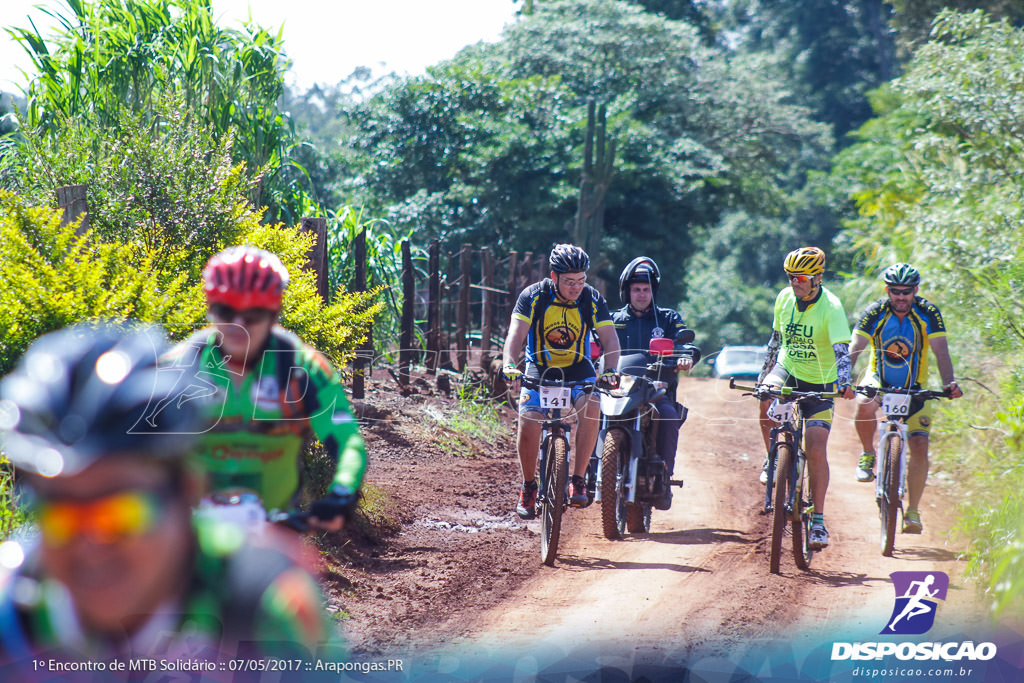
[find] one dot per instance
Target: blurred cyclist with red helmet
(267, 393)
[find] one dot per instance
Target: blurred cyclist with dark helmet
(119, 569)
(897, 328)
(266, 392)
(553, 319)
(638, 322)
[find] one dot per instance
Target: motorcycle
(632, 478)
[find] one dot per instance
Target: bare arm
(514, 341)
(610, 344)
(945, 364)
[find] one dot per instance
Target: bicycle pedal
(676, 482)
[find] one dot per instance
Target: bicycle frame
(895, 427)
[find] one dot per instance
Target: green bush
(50, 278)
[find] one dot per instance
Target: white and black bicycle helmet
(568, 258)
(901, 275)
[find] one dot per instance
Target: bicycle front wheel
(781, 481)
(556, 470)
(889, 504)
(802, 522)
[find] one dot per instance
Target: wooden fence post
(317, 256)
(361, 365)
(434, 307)
(405, 353)
(512, 286)
(487, 264)
(72, 202)
(462, 313)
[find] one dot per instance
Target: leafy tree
(937, 179)
(115, 58)
(832, 52)
(489, 144)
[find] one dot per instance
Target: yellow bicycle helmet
(805, 261)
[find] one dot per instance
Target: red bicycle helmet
(245, 277)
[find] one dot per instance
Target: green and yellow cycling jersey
(241, 598)
(261, 418)
(809, 330)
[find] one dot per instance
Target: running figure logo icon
(916, 601)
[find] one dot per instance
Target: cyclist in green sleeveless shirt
(266, 392)
(119, 567)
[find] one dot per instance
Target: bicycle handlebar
(926, 394)
(781, 392)
(588, 385)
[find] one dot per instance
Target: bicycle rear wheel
(802, 523)
(890, 501)
(616, 451)
(556, 472)
(783, 465)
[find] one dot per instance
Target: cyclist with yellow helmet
(809, 351)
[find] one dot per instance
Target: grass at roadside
(981, 443)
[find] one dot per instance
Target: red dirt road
(698, 585)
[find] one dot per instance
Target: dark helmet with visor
(640, 270)
(93, 390)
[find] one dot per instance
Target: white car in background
(740, 362)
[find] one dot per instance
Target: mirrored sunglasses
(107, 519)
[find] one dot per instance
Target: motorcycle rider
(266, 392)
(553, 319)
(120, 568)
(636, 323)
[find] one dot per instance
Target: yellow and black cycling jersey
(559, 333)
(899, 357)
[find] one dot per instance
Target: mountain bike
(552, 495)
(787, 496)
(891, 484)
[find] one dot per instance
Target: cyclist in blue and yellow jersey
(899, 329)
(120, 567)
(809, 350)
(266, 392)
(553, 319)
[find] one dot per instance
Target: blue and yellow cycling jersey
(559, 333)
(899, 356)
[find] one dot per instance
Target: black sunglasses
(250, 316)
(896, 291)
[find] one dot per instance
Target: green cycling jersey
(261, 417)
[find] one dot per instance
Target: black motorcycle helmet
(640, 269)
(93, 390)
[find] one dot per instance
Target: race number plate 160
(555, 397)
(896, 404)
